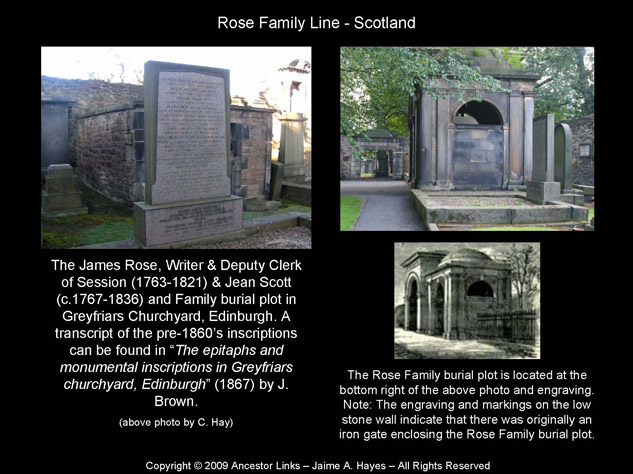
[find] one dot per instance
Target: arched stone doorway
(438, 326)
(411, 306)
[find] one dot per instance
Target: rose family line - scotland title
(298, 24)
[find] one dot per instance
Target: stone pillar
(429, 325)
(516, 140)
(291, 147)
(542, 188)
(527, 135)
(448, 313)
(406, 309)
(420, 301)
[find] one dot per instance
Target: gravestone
(563, 164)
(54, 134)
(291, 147)
(62, 196)
(543, 188)
(187, 158)
(562, 157)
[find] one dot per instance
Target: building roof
(465, 256)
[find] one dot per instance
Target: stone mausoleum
(446, 292)
(472, 143)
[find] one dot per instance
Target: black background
(345, 307)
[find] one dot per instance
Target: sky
(248, 65)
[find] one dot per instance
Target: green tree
(524, 263)
(566, 87)
(376, 83)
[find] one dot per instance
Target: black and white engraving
(467, 300)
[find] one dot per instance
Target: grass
(108, 221)
(68, 232)
(350, 209)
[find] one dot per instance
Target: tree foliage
(524, 264)
(566, 87)
(376, 83)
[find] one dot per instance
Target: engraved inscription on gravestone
(191, 153)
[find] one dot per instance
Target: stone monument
(542, 188)
(187, 164)
(62, 197)
(291, 147)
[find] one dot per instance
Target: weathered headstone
(563, 164)
(62, 196)
(542, 188)
(291, 147)
(187, 158)
(562, 157)
(276, 180)
(54, 134)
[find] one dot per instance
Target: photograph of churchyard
(466, 300)
(176, 148)
(467, 138)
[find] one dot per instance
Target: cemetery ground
(355, 214)
(411, 345)
(109, 221)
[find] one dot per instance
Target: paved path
(386, 204)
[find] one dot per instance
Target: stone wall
(252, 164)
(87, 97)
(351, 168)
(582, 130)
(110, 151)
(106, 138)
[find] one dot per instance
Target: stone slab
(276, 180)
(187, 133)
(571, 198)
(555, 211)
(54, 133)
(175, 224)
(542, 191)
(543, 148)
(535, 215)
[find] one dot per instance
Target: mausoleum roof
(492, 63)
(465, 256)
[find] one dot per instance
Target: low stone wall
(432, 213)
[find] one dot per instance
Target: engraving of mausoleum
(447, 292)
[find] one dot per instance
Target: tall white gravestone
(187, 161)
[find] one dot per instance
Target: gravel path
(291, 238)
(483, 201)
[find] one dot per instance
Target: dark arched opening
(482, 113)
(413, 305)
(439, 310)
(481, 289)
